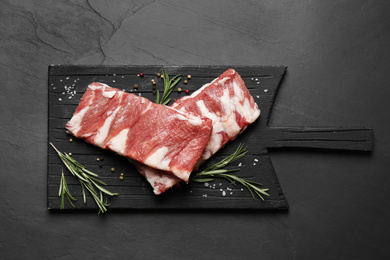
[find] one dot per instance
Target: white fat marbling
(195, 121)
(158, 160)
(229, 118)
(181, 174)
(117, 143)
(181, 117)
(109, 94)
(74, 124)
(103, 131)
(205, 112)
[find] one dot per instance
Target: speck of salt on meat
(67, 78)
(224, 193)
(258, 82)
(256, 160)
(265, 90)
(240, 164)
(113, 80)
(206, 184)
(205, 195)
(60, 99)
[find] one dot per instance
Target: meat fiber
(154, 135)
(228, 103)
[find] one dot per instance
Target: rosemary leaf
(215, 171)
(158, 97)
(169, 86)
(88, 181)
(64, 192)
(202, 179)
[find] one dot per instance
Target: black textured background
(338, 64)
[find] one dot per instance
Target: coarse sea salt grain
(256, 160)
(205, 195)
(240, 164)
(224, 193)
(206, 184)
(265, 90)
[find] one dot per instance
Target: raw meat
(155, 135)
(159, 180)
(228, 103)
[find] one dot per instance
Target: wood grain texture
(135, 193)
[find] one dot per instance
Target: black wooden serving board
(135, 193)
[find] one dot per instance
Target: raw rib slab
(132, 126)
(228, 103)
(230, 106)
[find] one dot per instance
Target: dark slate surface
(338, 60)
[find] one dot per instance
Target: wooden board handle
(356, 139)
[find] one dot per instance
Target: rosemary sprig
(88, 181)
(215, 171)
(64, 192)
(169, 85)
